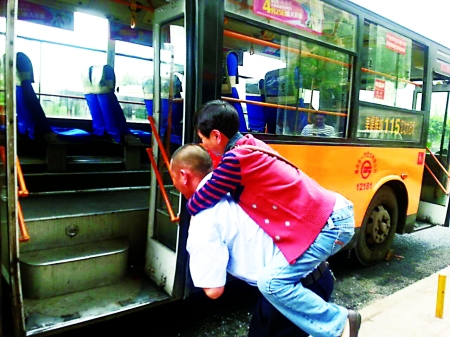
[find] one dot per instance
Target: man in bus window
(307, 222)
(318, 128)
(225, 239)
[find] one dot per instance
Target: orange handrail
(155, 133)
(286, 107)
(24, 236)
(159, 142)
(437, 161)
(136, 5)
(369, 71)
(173, 218)
(251, 39)
(261, 42)
(21, 192)
(436, 179)
(433, 175)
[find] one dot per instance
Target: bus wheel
(378, 228)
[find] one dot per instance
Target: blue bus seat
(256, 114)
(284, 89)
(103, 83)
(147, 88)
(31, 119)
(230, 79)
(176, 129)
(98, 122)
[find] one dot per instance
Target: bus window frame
(291, 34)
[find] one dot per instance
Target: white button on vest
(274, 207)
(277, 237)
(254, 206)
(266, 221)
(287, 223)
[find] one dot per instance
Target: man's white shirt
(225, 239)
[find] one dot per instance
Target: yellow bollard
(440, 296)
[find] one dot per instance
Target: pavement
(410, 312)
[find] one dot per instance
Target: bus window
(59, 57)
(296, 79)
(133, 63)
(392, 67)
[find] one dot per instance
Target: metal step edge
(107, 189)
(54, 256)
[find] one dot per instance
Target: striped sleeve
(225, 178)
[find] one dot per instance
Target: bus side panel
(357, 172)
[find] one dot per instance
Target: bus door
(102, 243)
(435, 184)
(164, 245)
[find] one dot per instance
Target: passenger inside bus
(318, 128)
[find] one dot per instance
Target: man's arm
(225, 178)
(214, 293)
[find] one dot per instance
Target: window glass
(392, 67)
(59, 57)
(89, 32)
(286, 86)
(131, 74)
(311, 18)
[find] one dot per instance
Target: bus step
(57, 271)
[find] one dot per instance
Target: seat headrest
(103, 79)
(24, 67)
(147, 87)
(86, 79)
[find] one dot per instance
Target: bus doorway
(433, 206)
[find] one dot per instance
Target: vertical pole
(440, 296)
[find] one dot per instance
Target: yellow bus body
(358, 172)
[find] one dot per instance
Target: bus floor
(133, 293)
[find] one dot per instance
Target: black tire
(378, 228)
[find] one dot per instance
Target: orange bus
(96, 95)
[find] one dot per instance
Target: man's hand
(214, 293)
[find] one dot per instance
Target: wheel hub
(379, 226)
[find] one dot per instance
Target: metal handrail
(285, 107)
(433, 175)
(173, 218)
(21, 192)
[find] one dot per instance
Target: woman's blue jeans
(280, 281)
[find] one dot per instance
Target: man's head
(189, 165)
(319, 120)
(216, 122)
